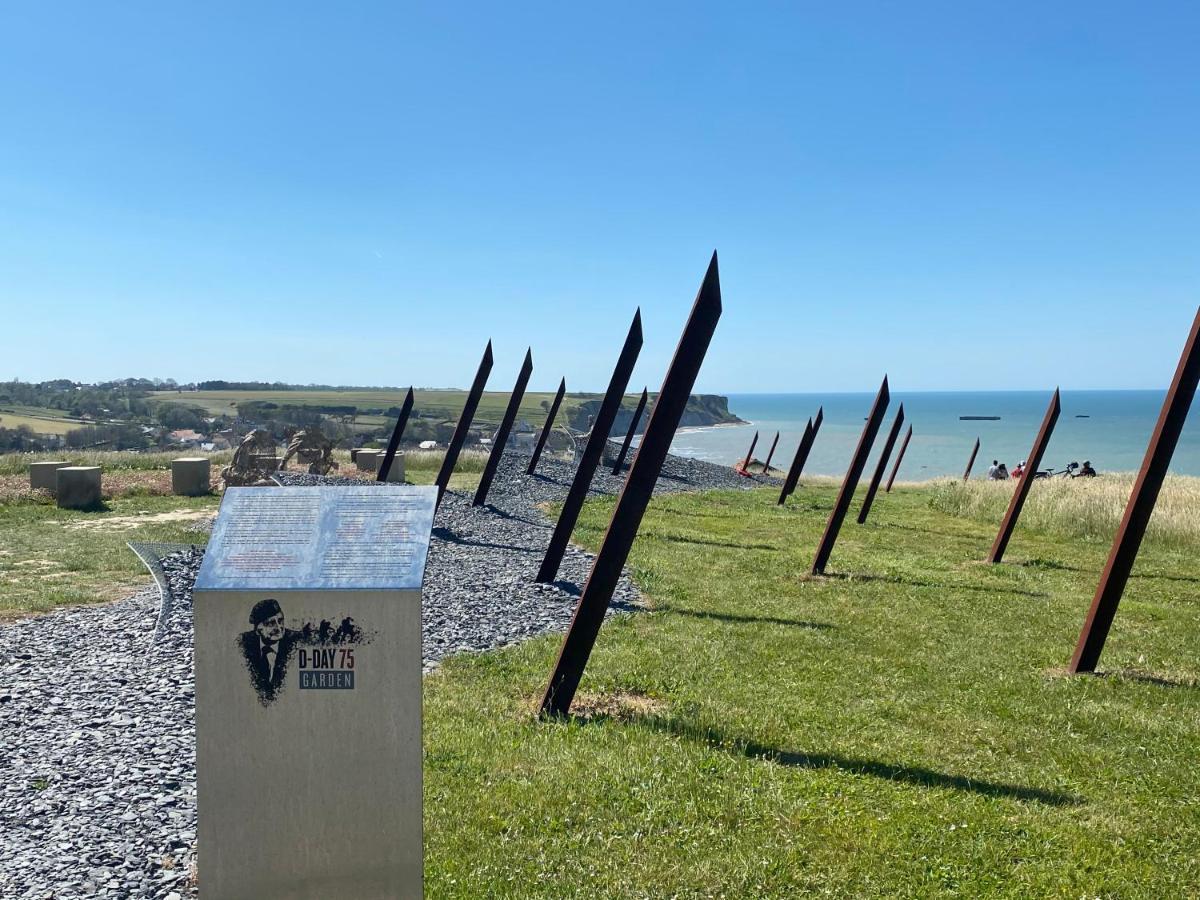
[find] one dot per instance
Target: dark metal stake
(774, 444)
(637, 417)
(899, 459)
(541, 442)
(464, 422)
(397, 433)
(971, 461)
(749, 455)
(635, 495)
(806, 442)
(592, 453)
(853, 474)
(881, 466)
(501, 437)
(1141, 505)
(1025, 482)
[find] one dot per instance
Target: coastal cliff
(701, 410)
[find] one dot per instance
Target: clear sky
(968, 196)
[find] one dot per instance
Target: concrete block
(396, 472)
(78, 487)
(44, 474)
(190, 476)
(368, 460)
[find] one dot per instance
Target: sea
(1108, 428)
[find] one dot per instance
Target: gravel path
(97, 761)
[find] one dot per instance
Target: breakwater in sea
(1109, 428)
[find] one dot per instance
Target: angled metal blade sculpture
(971, 461)
(881, 466)
(506, 424)
(635, 495)
(1025, 482)
(541, 441)
(899, 459)
(801, 457)
(464, 422)
(1128, 539)
(774, 444)
(850, 482)
(633, 424)
(397, 433)
(745, 467)
(593, 452)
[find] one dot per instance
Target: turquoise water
(1113, 437)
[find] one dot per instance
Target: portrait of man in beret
(267, 648)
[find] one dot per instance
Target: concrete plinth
(396, 472)
(354, 454)
(44, 475)
(368, 460)
(190, 476)
(78, 487)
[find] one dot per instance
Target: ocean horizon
(1109, 428)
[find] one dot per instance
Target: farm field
(51, 422)
(435, 403)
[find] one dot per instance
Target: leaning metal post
(506, 424)
(635, 495)
(1141, 504)
(774, 444)
(464, 422)
(971, 461)
(806, 442)
(633, 424)
(541, 442)
(1025, 482)
(853, 474)
(899, 459)
(592, 453)
(881, 466)
(749, 455)
(394, 444)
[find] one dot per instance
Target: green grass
(900, 728)
(52, 557)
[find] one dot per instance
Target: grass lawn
(51, 557)
(900, 728)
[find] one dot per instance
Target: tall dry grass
(1080, 507)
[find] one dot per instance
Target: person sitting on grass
(1086, 471)
(1002, 472)
(992, 469)
(1019, 470)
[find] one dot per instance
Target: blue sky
(967, 196)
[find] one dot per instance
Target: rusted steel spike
(593, 452)
(631, 504)
(1025, 482)
(633, 424)
(464, 422)
(1141, 504)
(850, 482)
(899, 459)
(397, 433)
(971, 461)
(881, 466)
(774, 444)
(797, 461)
(501, 436)
(541, 442)
(807, 448)
(749, 455)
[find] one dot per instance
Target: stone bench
(44, 475)
(190, 476)
(396, 472)
(78, 487)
